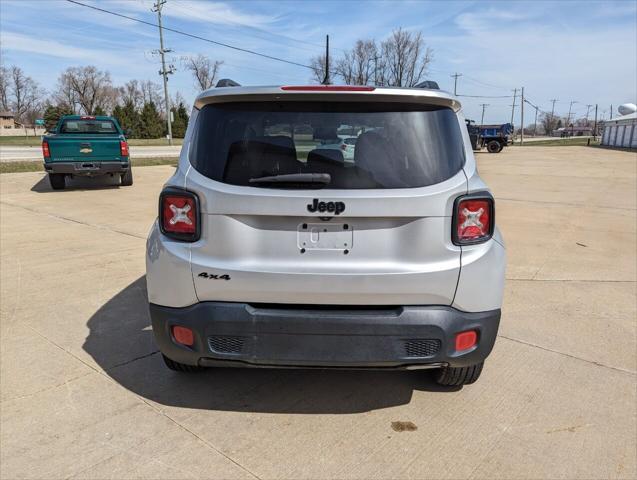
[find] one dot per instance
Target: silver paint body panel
(401, 252)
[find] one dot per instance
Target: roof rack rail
(428, 84)
(226, 82)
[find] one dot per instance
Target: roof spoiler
(226, 82)
(430, 84)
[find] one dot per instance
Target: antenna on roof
(226, 82)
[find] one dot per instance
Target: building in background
(621, 132)
(6, 120)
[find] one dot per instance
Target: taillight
(45, 149)
(473, 219)
(328, 88)
(123, 148)
(179, 214)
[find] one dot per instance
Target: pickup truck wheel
(57, 181)
(180, 367)
(458, 376)
(494, 146)
(127, 177)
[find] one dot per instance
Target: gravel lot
(84, 393)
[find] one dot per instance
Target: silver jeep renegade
(274, 249)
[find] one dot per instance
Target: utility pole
(611, 112)
(535, 124)
(326, 79)
(483, 105)
(455, 82)
(515, 92)
(588, 109)
(522, 117)
(163, 72)
(595, 127)
(568, 119)
(553, 107)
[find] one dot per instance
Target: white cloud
(52, 48)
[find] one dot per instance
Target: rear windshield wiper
(312, 179)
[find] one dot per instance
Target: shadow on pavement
(78, 183)
(120, 341)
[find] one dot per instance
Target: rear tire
(458, 376)
(57, 181)
(494, 146)
(180, 367)
(127, 177)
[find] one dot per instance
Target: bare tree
(151, 92)
(359, 66)
(131, 92)
(23, 94)
(86, 88)
(406, 58)
(549, 122)
(4, 88)
(318, 68)
(203, 70)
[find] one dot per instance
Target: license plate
(324, 236)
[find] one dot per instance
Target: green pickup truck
(83, 145)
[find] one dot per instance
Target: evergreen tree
(151, 123)
(99, 111)
(53, 113)
(180, 122)
(128, 119)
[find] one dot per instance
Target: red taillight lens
(123, 148)
(466, 340)
(179, 215)
(183, 335)
(473, 219)
(45, 149)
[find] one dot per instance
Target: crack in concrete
(72, 220)
(592, 362)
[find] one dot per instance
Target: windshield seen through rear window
(359, 145)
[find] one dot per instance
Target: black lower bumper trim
(87, 168)
(354, 337)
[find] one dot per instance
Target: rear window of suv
(395, 145)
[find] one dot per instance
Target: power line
(173, 30)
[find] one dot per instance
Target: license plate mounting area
(325, 236)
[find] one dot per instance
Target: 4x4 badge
(214, 277)
(317, 206)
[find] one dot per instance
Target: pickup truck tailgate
(84, 147)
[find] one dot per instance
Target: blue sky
(569, 50)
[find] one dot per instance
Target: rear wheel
(180, 367)
(494, 146)
(127, 177)
(458, 376)
(57, 181)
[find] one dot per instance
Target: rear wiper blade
(298, 178)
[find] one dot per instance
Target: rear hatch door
(377, 234)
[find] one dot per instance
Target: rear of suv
(272, 251)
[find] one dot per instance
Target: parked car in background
(345, 144)
(85, 145)
(267, 256)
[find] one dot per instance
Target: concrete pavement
(10, 153)
(84, 393)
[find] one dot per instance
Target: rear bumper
(87, 168)
(237, 334)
